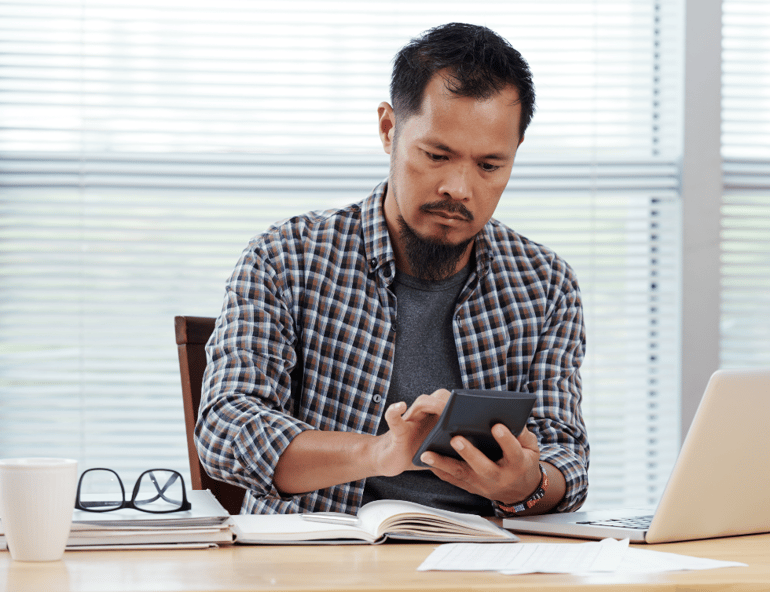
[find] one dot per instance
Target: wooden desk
(386, 567)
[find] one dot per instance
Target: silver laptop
(720, 484)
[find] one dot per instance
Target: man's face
(449, 164)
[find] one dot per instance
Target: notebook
(720, 483)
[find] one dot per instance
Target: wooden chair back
(192, 333)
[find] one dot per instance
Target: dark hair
(480, 64)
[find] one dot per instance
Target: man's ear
(387, 126)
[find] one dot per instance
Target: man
(342, 332)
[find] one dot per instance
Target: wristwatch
(530, 502)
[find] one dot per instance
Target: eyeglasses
(159, 491)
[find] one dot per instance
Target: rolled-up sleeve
(557, 419)
(245, 418)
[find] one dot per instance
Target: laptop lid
(720, 484)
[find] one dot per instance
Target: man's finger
(423, 405)
(510, 445)
(394, 414)
(528, 440)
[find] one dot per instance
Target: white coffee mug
(37, 496)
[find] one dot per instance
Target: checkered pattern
(313, 293)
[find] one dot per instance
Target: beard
(429, 259)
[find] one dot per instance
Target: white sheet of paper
(648, 561)
(603, 556)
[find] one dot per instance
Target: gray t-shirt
(425, 360)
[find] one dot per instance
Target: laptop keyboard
(637, 522)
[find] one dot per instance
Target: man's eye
(489, 168)
(436, 157)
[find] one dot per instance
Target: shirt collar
(484, 252)
(379, 250)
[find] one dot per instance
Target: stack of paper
(206, 524)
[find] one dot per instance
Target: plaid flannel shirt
(306, 337)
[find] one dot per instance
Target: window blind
(142, 144)
(745, 242)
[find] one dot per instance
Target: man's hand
(407, 428)
(511, 479)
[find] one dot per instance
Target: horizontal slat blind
(142, 144)
(745, 327)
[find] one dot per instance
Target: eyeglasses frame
(185, 504)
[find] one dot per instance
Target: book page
(259, 528)
(408, 518)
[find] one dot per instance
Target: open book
(375, 522)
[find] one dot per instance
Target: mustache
(451, 207)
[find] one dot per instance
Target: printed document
(605, 556)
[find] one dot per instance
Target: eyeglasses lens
(100, 490)
(159, 491)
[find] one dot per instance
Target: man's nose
(457, 183)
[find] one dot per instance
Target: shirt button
(377, 398)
